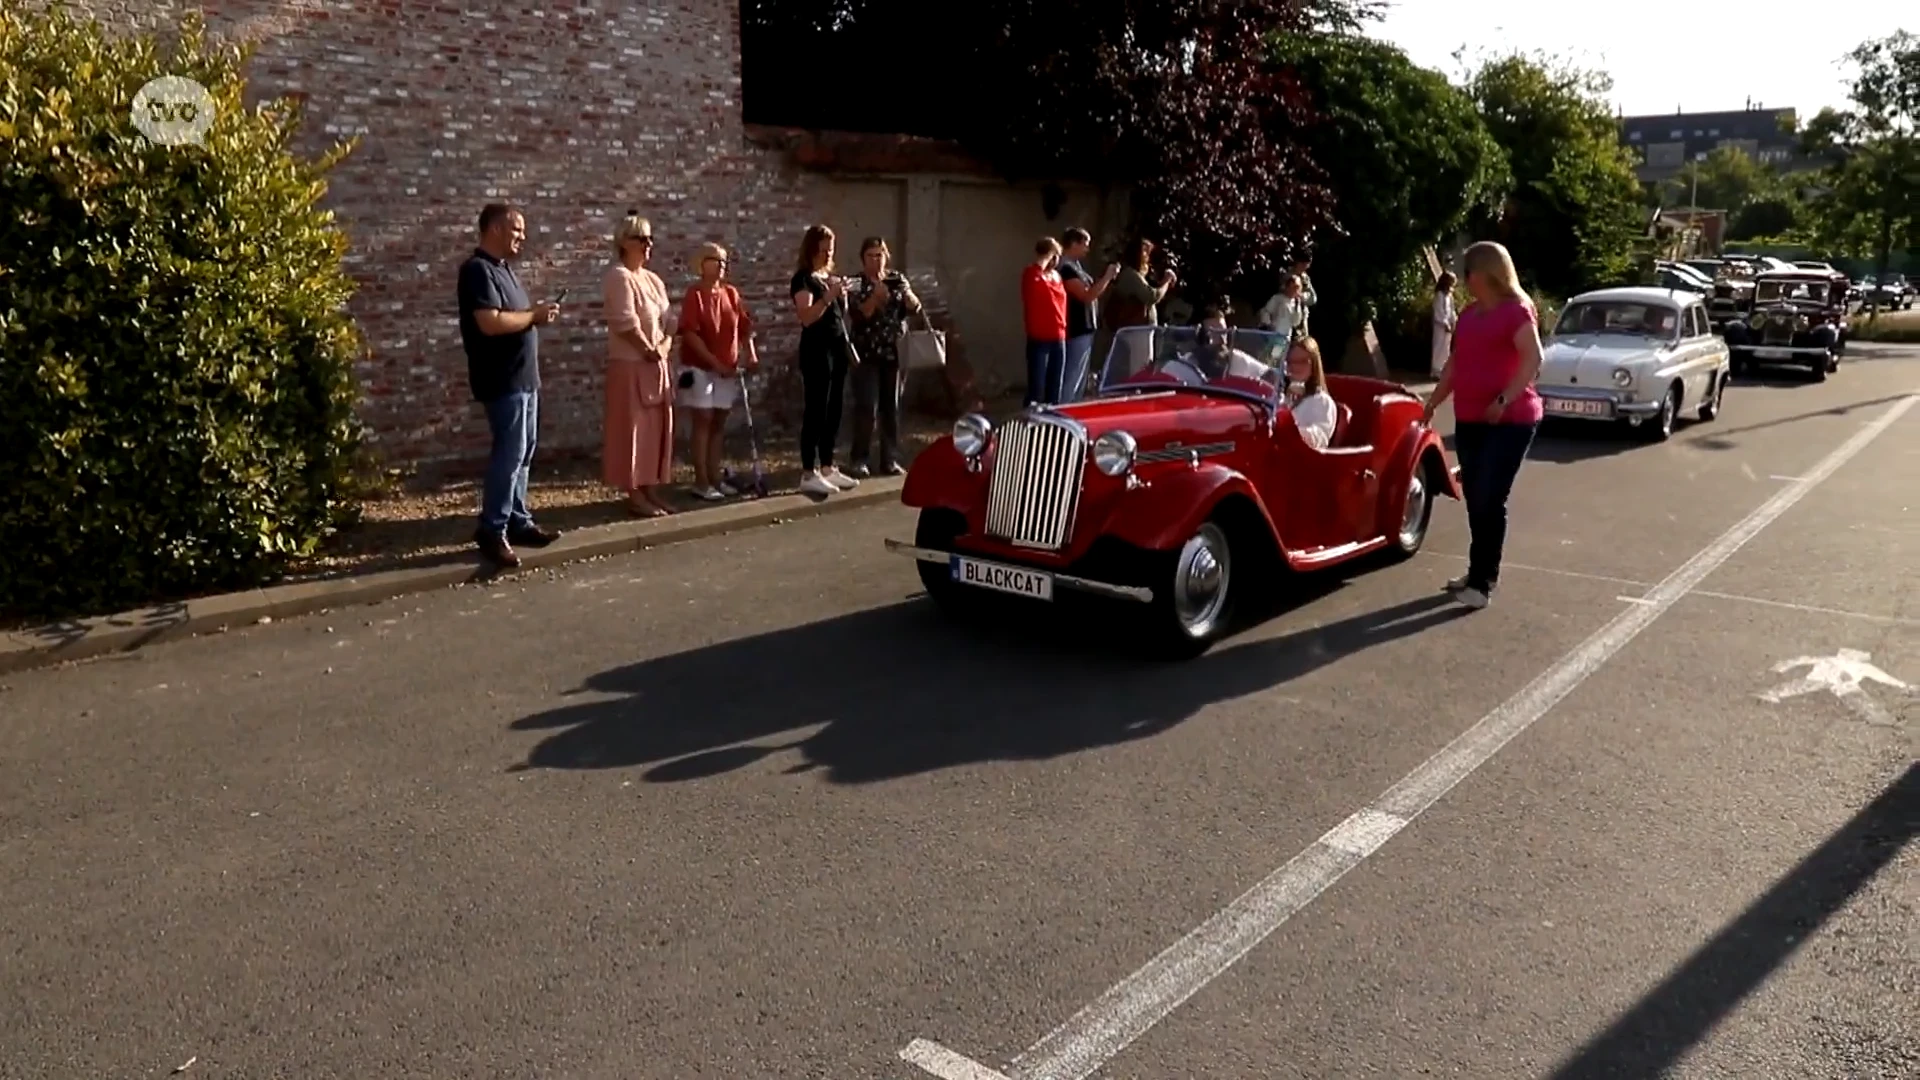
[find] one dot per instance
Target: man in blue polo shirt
(498, 327)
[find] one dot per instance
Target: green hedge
(175, 350)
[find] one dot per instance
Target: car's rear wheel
(1416, 516)
(1194, 595)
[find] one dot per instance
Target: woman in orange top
(636, 453)
(1044, 297)
(713, 323)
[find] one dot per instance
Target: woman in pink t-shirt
(1496, 410)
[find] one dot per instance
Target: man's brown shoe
(533, 536)
(496, 549)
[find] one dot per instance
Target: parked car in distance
(1799, 318)
(1178, 485)
(1640, 355)
(1896, 293)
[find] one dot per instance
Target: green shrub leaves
(175, 348)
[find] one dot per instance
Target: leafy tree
(1873, 188)
(1575, 215)
(175, 351)
(1174, 99)
(1409, 157)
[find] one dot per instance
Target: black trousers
(1490, 459)
(876, 388)
(823, 377)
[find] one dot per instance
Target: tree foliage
(1173, 99)
(1575, 216)
(1872, 202)
(175, 353)
(1411, 160)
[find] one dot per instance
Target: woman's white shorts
(709, 390)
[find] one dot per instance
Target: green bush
(1890, 327)
(175, 350)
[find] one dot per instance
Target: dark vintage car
(1179, 485)
(1798, 319)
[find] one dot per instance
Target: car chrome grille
(1036, 483)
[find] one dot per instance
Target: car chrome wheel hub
(1200, 578)
(1415, 514)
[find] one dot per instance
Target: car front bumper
(995, 575)
(1780, 352)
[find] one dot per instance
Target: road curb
(82, 639)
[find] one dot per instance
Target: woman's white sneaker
(839, 479)
(814, 484)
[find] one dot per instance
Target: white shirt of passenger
(1240, 365)
(1314, 414)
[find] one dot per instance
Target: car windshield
(1238, 361)
(1629, 317)
(1806, 292)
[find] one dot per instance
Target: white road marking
(1098, 1032)
(1709, 594)
(1788, 479)
(1840, 675)
(936, 1059)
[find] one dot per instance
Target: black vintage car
(1796, 318)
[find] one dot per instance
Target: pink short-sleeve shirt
(1485, 360)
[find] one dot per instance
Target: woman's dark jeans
(823, 377)
(1490, 458)
(1046, 366)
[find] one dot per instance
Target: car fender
(1420, 447)
(1168, 509)
(941, 477)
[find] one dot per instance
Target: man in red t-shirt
(1043, 297)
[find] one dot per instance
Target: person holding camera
(881, 300)
(499, 330)
(826, 355)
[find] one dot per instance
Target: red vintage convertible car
(1178, 482)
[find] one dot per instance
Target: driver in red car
(1218, 359)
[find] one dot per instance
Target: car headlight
(1113, 452)
(1622, 377)
(970, 434)
(1758, 320)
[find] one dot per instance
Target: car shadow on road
(1718, 439)
(1663, 1026)
(901, 691)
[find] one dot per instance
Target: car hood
(1173, 416)
(1589, 359)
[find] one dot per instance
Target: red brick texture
(575, 111)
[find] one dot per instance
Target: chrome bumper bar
(1065, 581)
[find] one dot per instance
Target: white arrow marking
(1840, 675)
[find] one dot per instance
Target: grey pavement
(746, 808)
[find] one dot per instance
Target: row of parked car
(1650, 355)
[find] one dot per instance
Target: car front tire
(1662, 427)
(1416, 515)
(936, 531)
(1710, 408)
(1194, 593)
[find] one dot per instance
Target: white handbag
(924, 349)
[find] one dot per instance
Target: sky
(1663, 56)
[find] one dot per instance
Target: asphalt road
(746, 808)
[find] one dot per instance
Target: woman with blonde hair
(1309, 403)
(636, 453)
(714, 323)
(1496, 410)
(826, 355)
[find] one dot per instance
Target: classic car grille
(1776, 332)
(1036, 483)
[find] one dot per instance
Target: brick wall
(577, 111)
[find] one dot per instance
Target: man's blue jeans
(1079, 352)
(515, 421)
(1046, 361)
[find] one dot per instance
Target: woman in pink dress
(636, 454)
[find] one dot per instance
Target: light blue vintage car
(1642, 356)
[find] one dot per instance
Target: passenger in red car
(1311, 406)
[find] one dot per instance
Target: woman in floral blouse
(880, 302)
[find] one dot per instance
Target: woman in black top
(826, 354)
